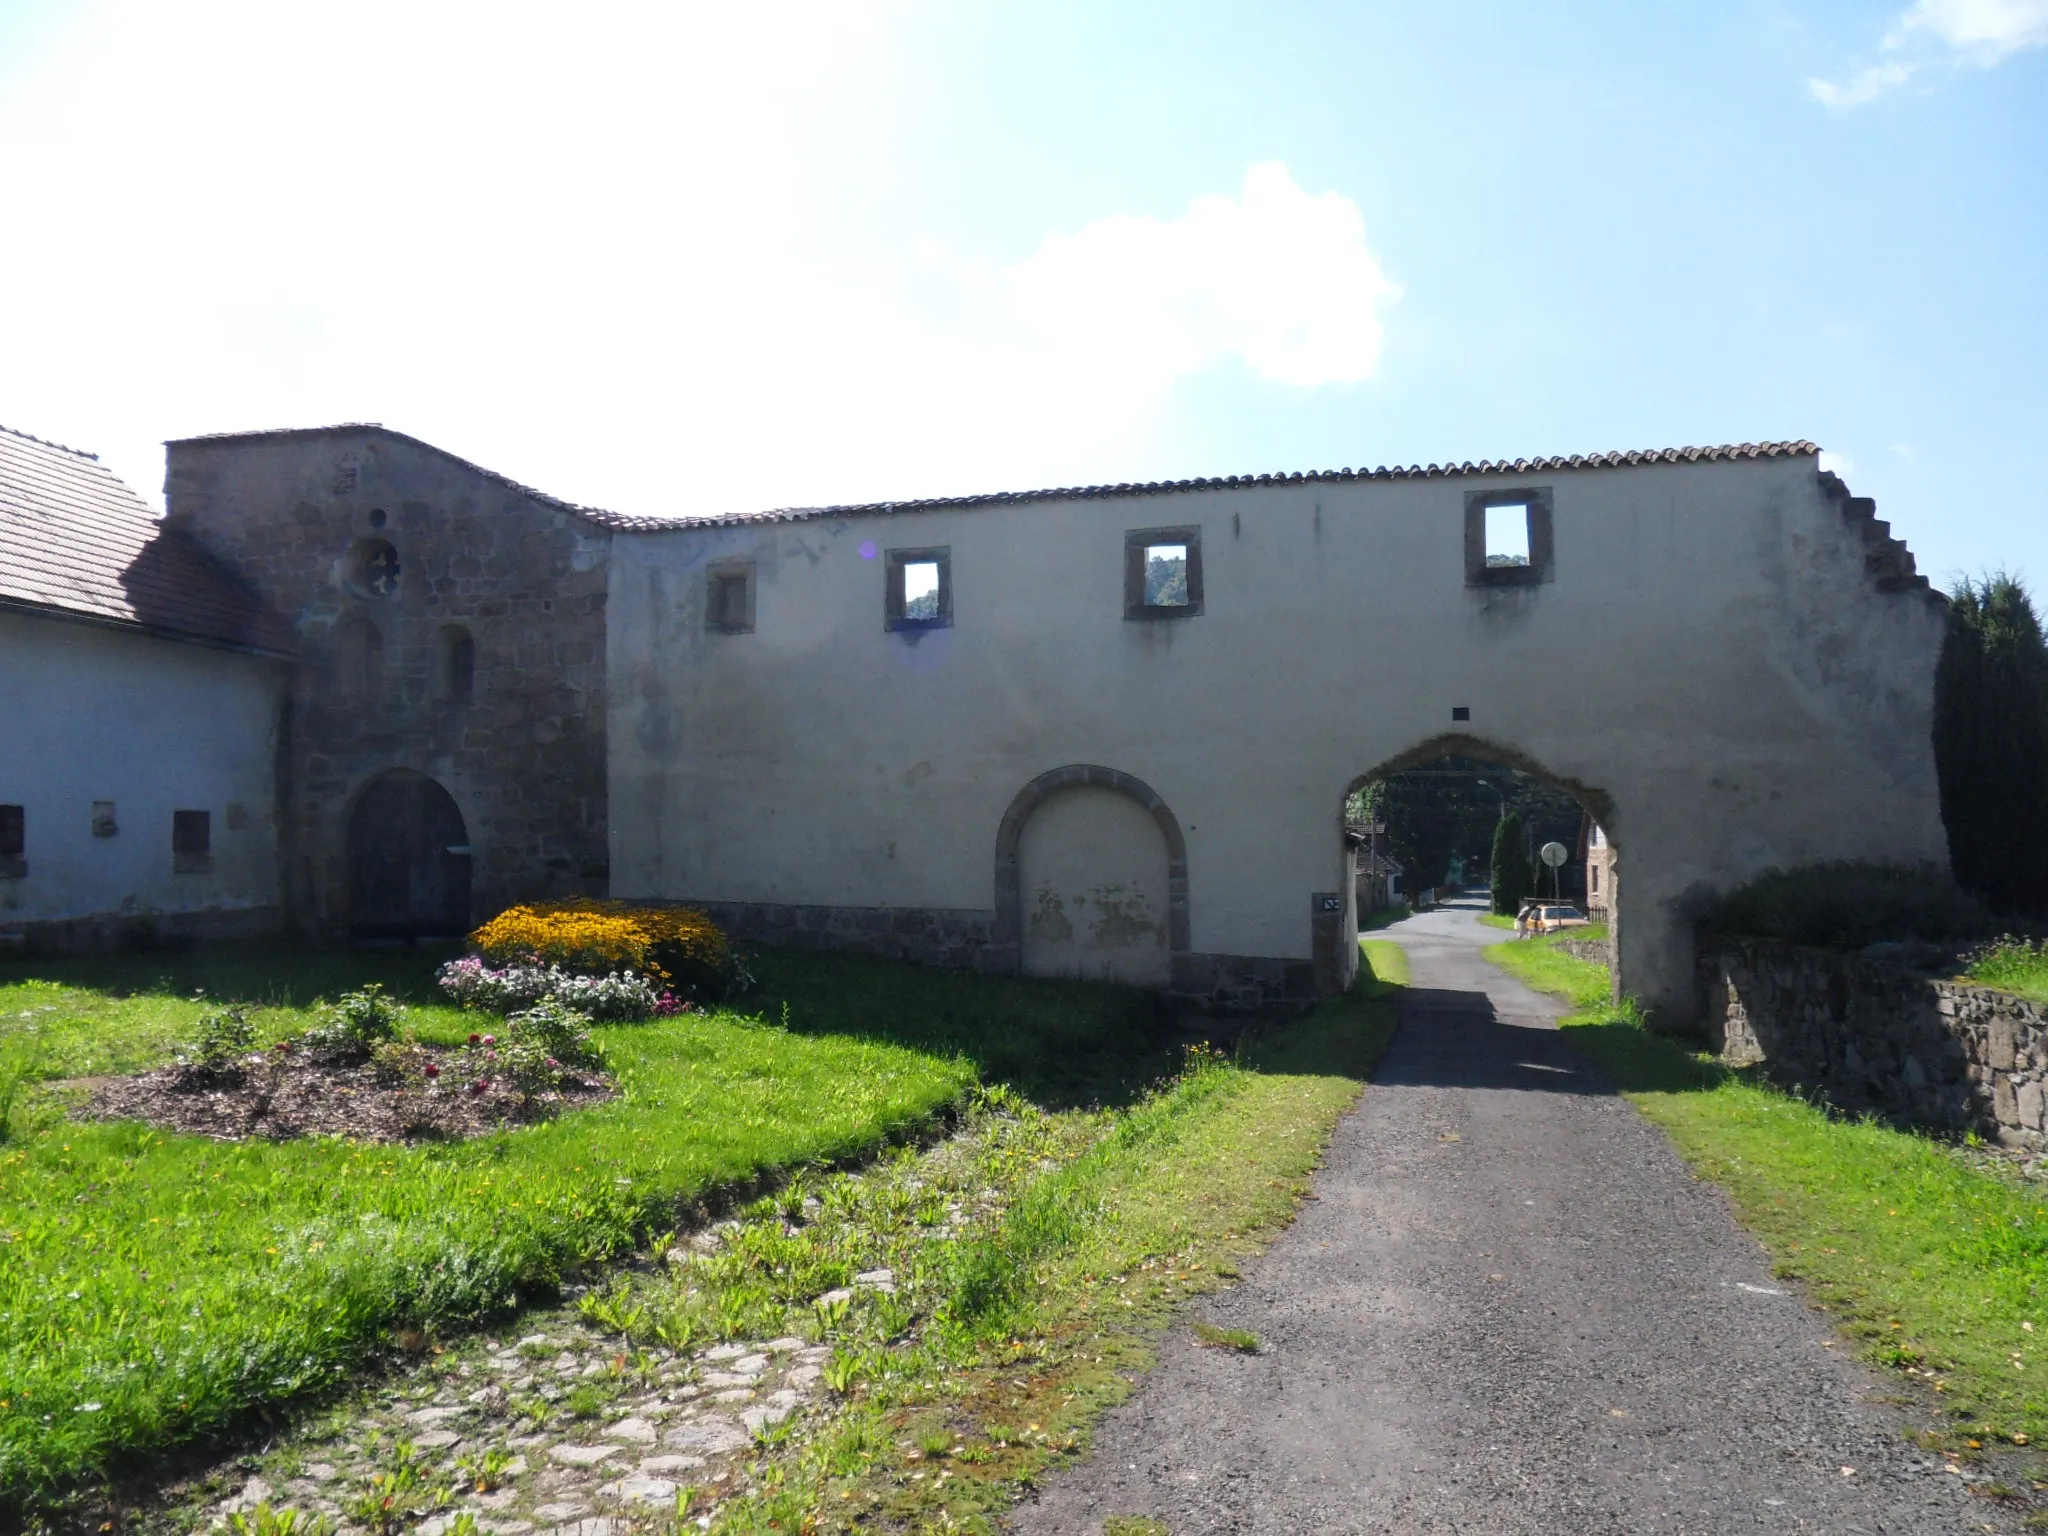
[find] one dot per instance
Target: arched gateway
(408, 861)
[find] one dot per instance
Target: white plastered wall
(1711, 657)
(155, 726)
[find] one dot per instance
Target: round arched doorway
(1091, 879)
(408, 861)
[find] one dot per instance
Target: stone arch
(1463, 744)
(1007, 950)
(1597, 802)
(409, 865)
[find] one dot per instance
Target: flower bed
(354, 1073)
(610, 961)
(618, 997)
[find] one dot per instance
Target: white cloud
(1837, 463)
(1280, 280)
(1941, 34)
(601, 258)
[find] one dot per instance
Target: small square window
(729, 599)
(1507, 534)
(191, 842)
(920, 594)
(13, 842)
(103, 822)
(1162, 573)
(1508, 538)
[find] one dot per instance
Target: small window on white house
(13, 842)
(729, 599)
(191, 842)
(1162, 573)
(1507, 535)
(921, 589)
(1166, 575)
(920, 593)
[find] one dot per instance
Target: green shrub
(555, 1030)
(354, 1024)
(222, 1037)
(1850, 904)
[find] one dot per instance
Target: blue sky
(677, 259)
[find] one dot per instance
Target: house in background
(1598, 855)
(142, 691)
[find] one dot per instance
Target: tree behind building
(1991, 743)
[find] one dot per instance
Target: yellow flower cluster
(596, 937)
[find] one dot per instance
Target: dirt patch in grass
(283, 1097)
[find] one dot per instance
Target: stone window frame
(717, 620)
(191, 842)
(1542, 564)
(893, 601)
(357, 572)
(13, 842)
(1136, 542)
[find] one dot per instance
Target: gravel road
(1510, 1310)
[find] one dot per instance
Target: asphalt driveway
(1510, 1310)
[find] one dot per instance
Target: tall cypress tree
(1510, 866)
(1991, 743)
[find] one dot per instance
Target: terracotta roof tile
(628, 522)
(1229, 482)
(75, 540)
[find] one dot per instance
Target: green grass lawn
(1939, 1267)
(155, 1288)
(1048, 1315)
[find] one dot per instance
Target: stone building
(1104, 732)
(444, 748)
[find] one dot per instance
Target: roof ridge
(44, 442)
(1785, 448)
(597, 515)
(630, 522)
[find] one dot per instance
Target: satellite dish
(1554, 854)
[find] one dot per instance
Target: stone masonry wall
(1873, 1034)
(521, 748)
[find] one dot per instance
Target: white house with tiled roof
(1106, 731)
(141, 690)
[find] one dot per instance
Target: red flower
(476, 1039)
(431, 1070)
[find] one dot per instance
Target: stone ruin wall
(1873, 1034)
(522, 751)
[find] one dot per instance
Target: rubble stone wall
(1871, 1033)
(516, 735)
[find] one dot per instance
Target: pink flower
(481, 1085)
(490, 1039)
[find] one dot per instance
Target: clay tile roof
(1233, 482)
(76, 541)
(629, 522)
